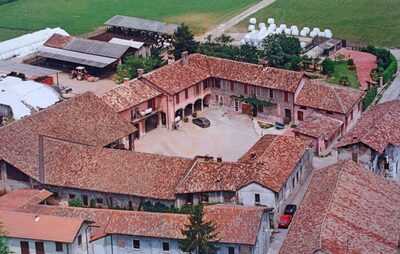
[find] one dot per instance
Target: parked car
(279, 126)
(201, 122)
(285, 220)
(290, 209)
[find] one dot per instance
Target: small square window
(71, 196)
(136, 244)
(59, 247)
(165, 246)
(231, 250)
(257, 198)
(99, 200)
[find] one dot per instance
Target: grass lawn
(82, 16)
(375, 22)
(342, 69)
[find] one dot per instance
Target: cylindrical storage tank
(303, 32)
(272, 27)
(279, 30)
(303, 44)
(287, 31)
(321, 34)
(328, 33)
(283, 26)
(262, 25)
(313, 33)
(307, 29)
(251, 28)
(271, 21)
(253, 21)
(295, 32)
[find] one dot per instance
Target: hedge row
(391, 70)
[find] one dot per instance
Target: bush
(75, 202)
(344, 81)
(369, 97)
(128, 69)
(328, 67)
(391, 70)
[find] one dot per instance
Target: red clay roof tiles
(346, 209)
(377, 128)
(318, 126)
(22, 197)
(319, 95)
(83, 119)
(112, 170)
(124, 96)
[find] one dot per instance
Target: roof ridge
(330, 203)
(339, 99)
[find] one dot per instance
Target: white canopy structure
(27, 44)
(24, 96)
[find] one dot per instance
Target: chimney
(140, 73)
(185, 57)
(219, 159)
(41, 160)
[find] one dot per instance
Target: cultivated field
(368, 21)
(83, 16)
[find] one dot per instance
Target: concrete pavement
(221, 28)
(393, 92)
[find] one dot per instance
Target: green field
(367, 21)
(342, 70)
(83, 16)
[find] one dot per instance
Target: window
(151, 104)
(286, 95)
(99, 200)
(197, 89)
(177, 98)
(271, 93)
(59, 247)
(257, 198)
(204, 198)
(165, 246)
(136, 244)
(260, 108)
(303, 108)
(232, 86)
(79, 240)
(351, 115)
(231, 250)
(217, 84)
(24, 247)
(71, 196)
(39, 247)
(245, 89)
(300, 115)
(186, 94)
(206, 84)
(85, 200)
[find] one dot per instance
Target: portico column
(3, 175)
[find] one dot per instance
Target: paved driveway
(229, 137)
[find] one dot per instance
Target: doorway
(151, 123)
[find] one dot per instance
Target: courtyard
(229, 136)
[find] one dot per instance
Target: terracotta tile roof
(215, 176)
(364, 62)
(100, 217)
(346, 209)
(320, 95)
(58, 41)
(158, 225)
(277, 162)
(112, 170)
(21, 197)
(235, 224)
(39, 227)
(377, 128)
(269, 163)
(83, 119)
(175, 77)
(124, 97)
(317, 125)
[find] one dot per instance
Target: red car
(284, 220)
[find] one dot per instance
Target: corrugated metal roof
(30, 71)
(98, 48)
(141, 24)
(130, 43)
(76, 57)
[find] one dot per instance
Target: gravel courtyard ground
(229, 137)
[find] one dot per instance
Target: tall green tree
(200, 236)
(282, 51)
(183, 40)
(3, 243)
(131, 64)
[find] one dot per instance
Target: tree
(200, 236)
(4, 249)
(328, 67)
(224, 39)
(183, 40)
(131, 64)
(282, 51)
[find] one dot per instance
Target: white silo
(328, 33)
(251, 28)
(262, 25)
(271, 21)
(253, 21)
